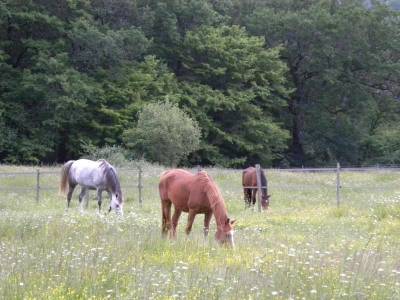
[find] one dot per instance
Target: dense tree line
(280, 82)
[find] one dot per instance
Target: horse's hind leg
(247, 197)
(69, 195)
(82, 196)
(166, 217)
(191, 216)
(253, 197)
(87, 198)
(175, 218)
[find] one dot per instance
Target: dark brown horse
(194, 194)
(249, 180)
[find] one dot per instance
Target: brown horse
(194, 194)
(249, 179)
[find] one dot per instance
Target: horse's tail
(64, 176)
(243, 176)
(165, 207)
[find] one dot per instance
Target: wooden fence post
(258, 174)
(140, 186)
(338, 184)
(37, 184)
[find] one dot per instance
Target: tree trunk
(297, 150)
(295, 108)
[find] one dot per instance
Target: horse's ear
(230, 222)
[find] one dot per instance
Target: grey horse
(92, 175)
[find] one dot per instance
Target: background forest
(277, 82)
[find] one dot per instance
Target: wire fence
(40, 182)
(334, 184)
(356, 186)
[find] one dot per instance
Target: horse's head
(114, 189)
(265, 199)
(117, 202)
(225, 233)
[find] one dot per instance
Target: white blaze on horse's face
(229, 239)
(229, 224)
(116, 203)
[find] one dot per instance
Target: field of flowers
(303, 247)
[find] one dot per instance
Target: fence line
(39, 174)
(38, 179)
(333, 170)
(294, 170)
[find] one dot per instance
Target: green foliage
(115, 155)
(93, 50)
(238, 85)
(271, 82)
(343, 61)
(383, 146)
(164, 133)
(135, 86)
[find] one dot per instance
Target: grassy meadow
(303, 247)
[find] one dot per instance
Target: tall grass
(303, 247)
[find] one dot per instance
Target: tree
(268, 81)
(164, 134)
(53, 62)
(135, 86)
(343, 60)
(235, 88)
(44, 101)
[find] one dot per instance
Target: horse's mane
(263, 178)
(210, 188)
(264, 184)
(214, 196)
(111, 175)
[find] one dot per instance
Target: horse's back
(248, 176)
(175, 175)
(175, 185)
(87, 172)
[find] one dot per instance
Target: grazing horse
(194, 194)
(92, 175)
(249, 179)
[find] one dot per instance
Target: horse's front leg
(110, 196)
(207, 219)
(99, 200)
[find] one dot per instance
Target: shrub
(115, 155)
(164, 134)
